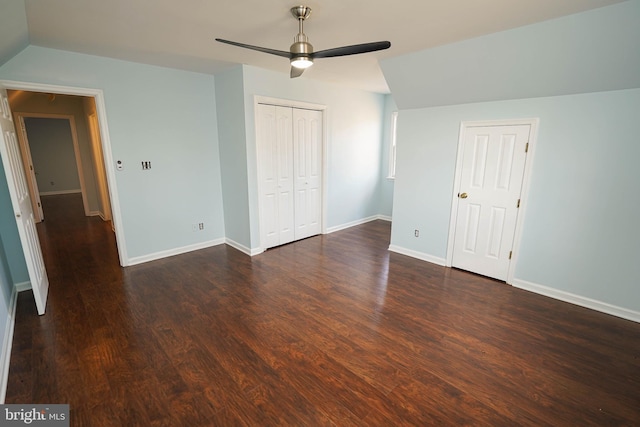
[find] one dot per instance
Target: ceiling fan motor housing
(301, 47)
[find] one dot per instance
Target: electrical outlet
(201, 226)
(146, 165)
(416, 233)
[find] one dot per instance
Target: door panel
(307, 128)
(492, 171)
(21, 203)
(30, 172)
(275, 171)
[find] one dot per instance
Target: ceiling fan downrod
(301, 50)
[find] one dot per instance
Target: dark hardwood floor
(331, 330)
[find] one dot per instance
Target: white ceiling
(180, 34)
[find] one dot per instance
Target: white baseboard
(57, 193)
(172, 252)
(257, 251)
(419, 255)
(5, 354)
(243, 248)
(96, 213)
(592, 304)
(357, 222)
(579, 300)
(236, 245)
(23, 286)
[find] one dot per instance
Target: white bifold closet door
(290, 173)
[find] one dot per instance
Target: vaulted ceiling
(180, 34)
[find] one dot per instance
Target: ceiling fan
(301, 54)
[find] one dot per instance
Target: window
(392, 147)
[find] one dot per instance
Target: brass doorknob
(463, 195)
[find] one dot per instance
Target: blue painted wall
(354, 143)
(386, 185)
(172, 118)
(6, 292)
(155, 114)
(233, 155)
(580, 224)
(582, 81)
(586, 52)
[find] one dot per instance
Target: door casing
(98, 97)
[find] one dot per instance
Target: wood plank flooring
(329, 331)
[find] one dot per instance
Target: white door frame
(101, 111)
(533, 134)
(257, 99)
(76, 148)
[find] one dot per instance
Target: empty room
(336, 213)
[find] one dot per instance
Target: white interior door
(275, 171)
(493, 165)
(307, 147)
(21, 202)
(30, 171)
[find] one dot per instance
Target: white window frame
(392, 146)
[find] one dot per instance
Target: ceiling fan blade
(258, 48)
(352, 50)
(296, 72)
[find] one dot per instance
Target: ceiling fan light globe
(301, 62)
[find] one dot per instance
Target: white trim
(60, 192)
(7, 343)
(524, 193)
(391, 171)
(418, 255)
(581, 301)
(242, 248)
(356, 222)
(279, 102)
(176, 251)
(101, 111)
(23, 286)
(257, 251)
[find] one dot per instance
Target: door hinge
(526, 148)
(510, 254)
(518, 205)
(31, 167)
